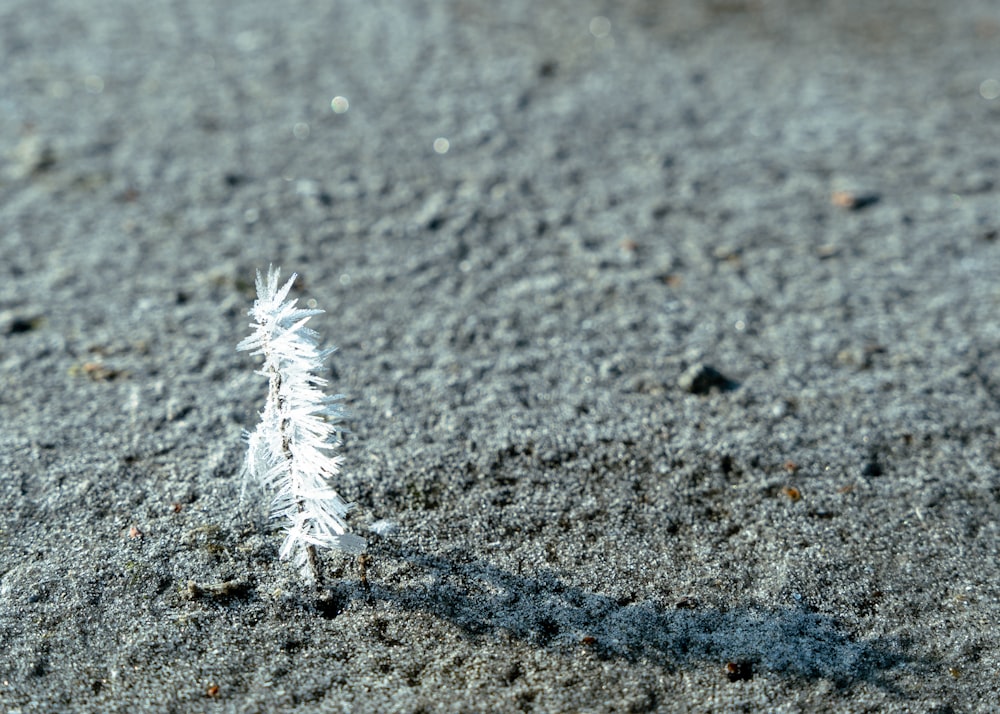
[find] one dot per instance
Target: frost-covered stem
(274, 392)
(292, 452)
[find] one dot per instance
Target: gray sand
(680, 366)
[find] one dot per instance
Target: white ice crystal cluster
(292, 452)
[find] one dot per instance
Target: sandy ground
(669, 333)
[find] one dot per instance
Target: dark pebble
(702, 379)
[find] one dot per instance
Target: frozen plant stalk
(292, 452)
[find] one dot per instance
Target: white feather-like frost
(292, 452)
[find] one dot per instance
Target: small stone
(741, 671)
(871, 469)
(33, 155)
(854, 200)
(703, 379)
(11, 324)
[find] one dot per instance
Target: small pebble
(32, 155)
(854, 200)
(703, 379)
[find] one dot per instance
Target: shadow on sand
(484, 600)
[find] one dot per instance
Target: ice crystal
(293, 451)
